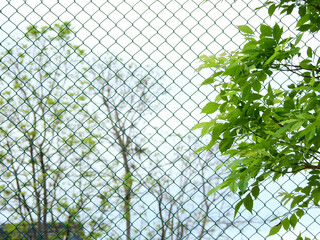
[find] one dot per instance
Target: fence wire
(97, 99)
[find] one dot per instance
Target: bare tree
(179, 185)
(129, 97)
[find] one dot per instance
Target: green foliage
(46, 133)
(57, 230)
(265, 131)
(308, 10)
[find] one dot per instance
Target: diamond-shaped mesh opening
(97, 103)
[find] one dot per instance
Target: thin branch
(307, 166)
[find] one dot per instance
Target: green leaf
(256, 86)
(217, 129)
(300, 213)
(237, 207)
(200, 125)
(309, 129)
(206, 128)
(201, 149)
(274, 230)
(282, 130)
(290, 8)
(289, 104)
(245, 29)
(210, 108)
(303, 20)
(243, 184)
(277, 32)
(248, 203)
(304, 28)
(299, 237)
(316, 197)
(302, 10)
(233, 187)
(309, 52)
(221, 186)
(271, 9)
(213, 190)
(255, 191)
(297, 125)
(293, 220)
(286, 224)
(266, 30)
(212, 78)
(270, 59)
(225, 144)
(298, 39)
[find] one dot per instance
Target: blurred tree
(46, 141)
(129, 96)
(178, 186)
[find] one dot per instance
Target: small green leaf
(245, 29)
(212, 78)
(225, 144)
(309, 52)
(296, 126)
(274, 230)
(302, 10)
(217, 129)
(299, 237)
(286, 224)
(206, 128)
(304, 27)
(210, 108)
(316, 197)
(266, 30)
(199, 125)
(273, 57)
(300, 213)
(213, 190)
(293, 220)
(271, 9)
(256, 86)
(289, 104)
(243, 184)
(290, 8)
(298, 39)
(248, 203)
(201, 149)
(237, 207)
(282, 130)
(255, 191)
(303, 20)
(233, 187)
(277, 32)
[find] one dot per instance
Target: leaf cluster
(308, 10)
(268, 131)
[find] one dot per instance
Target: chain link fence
(97, 102)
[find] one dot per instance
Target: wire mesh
(97, 102)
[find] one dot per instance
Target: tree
(46, 141)
(268, 132)
(178, 187)
(129, 96)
